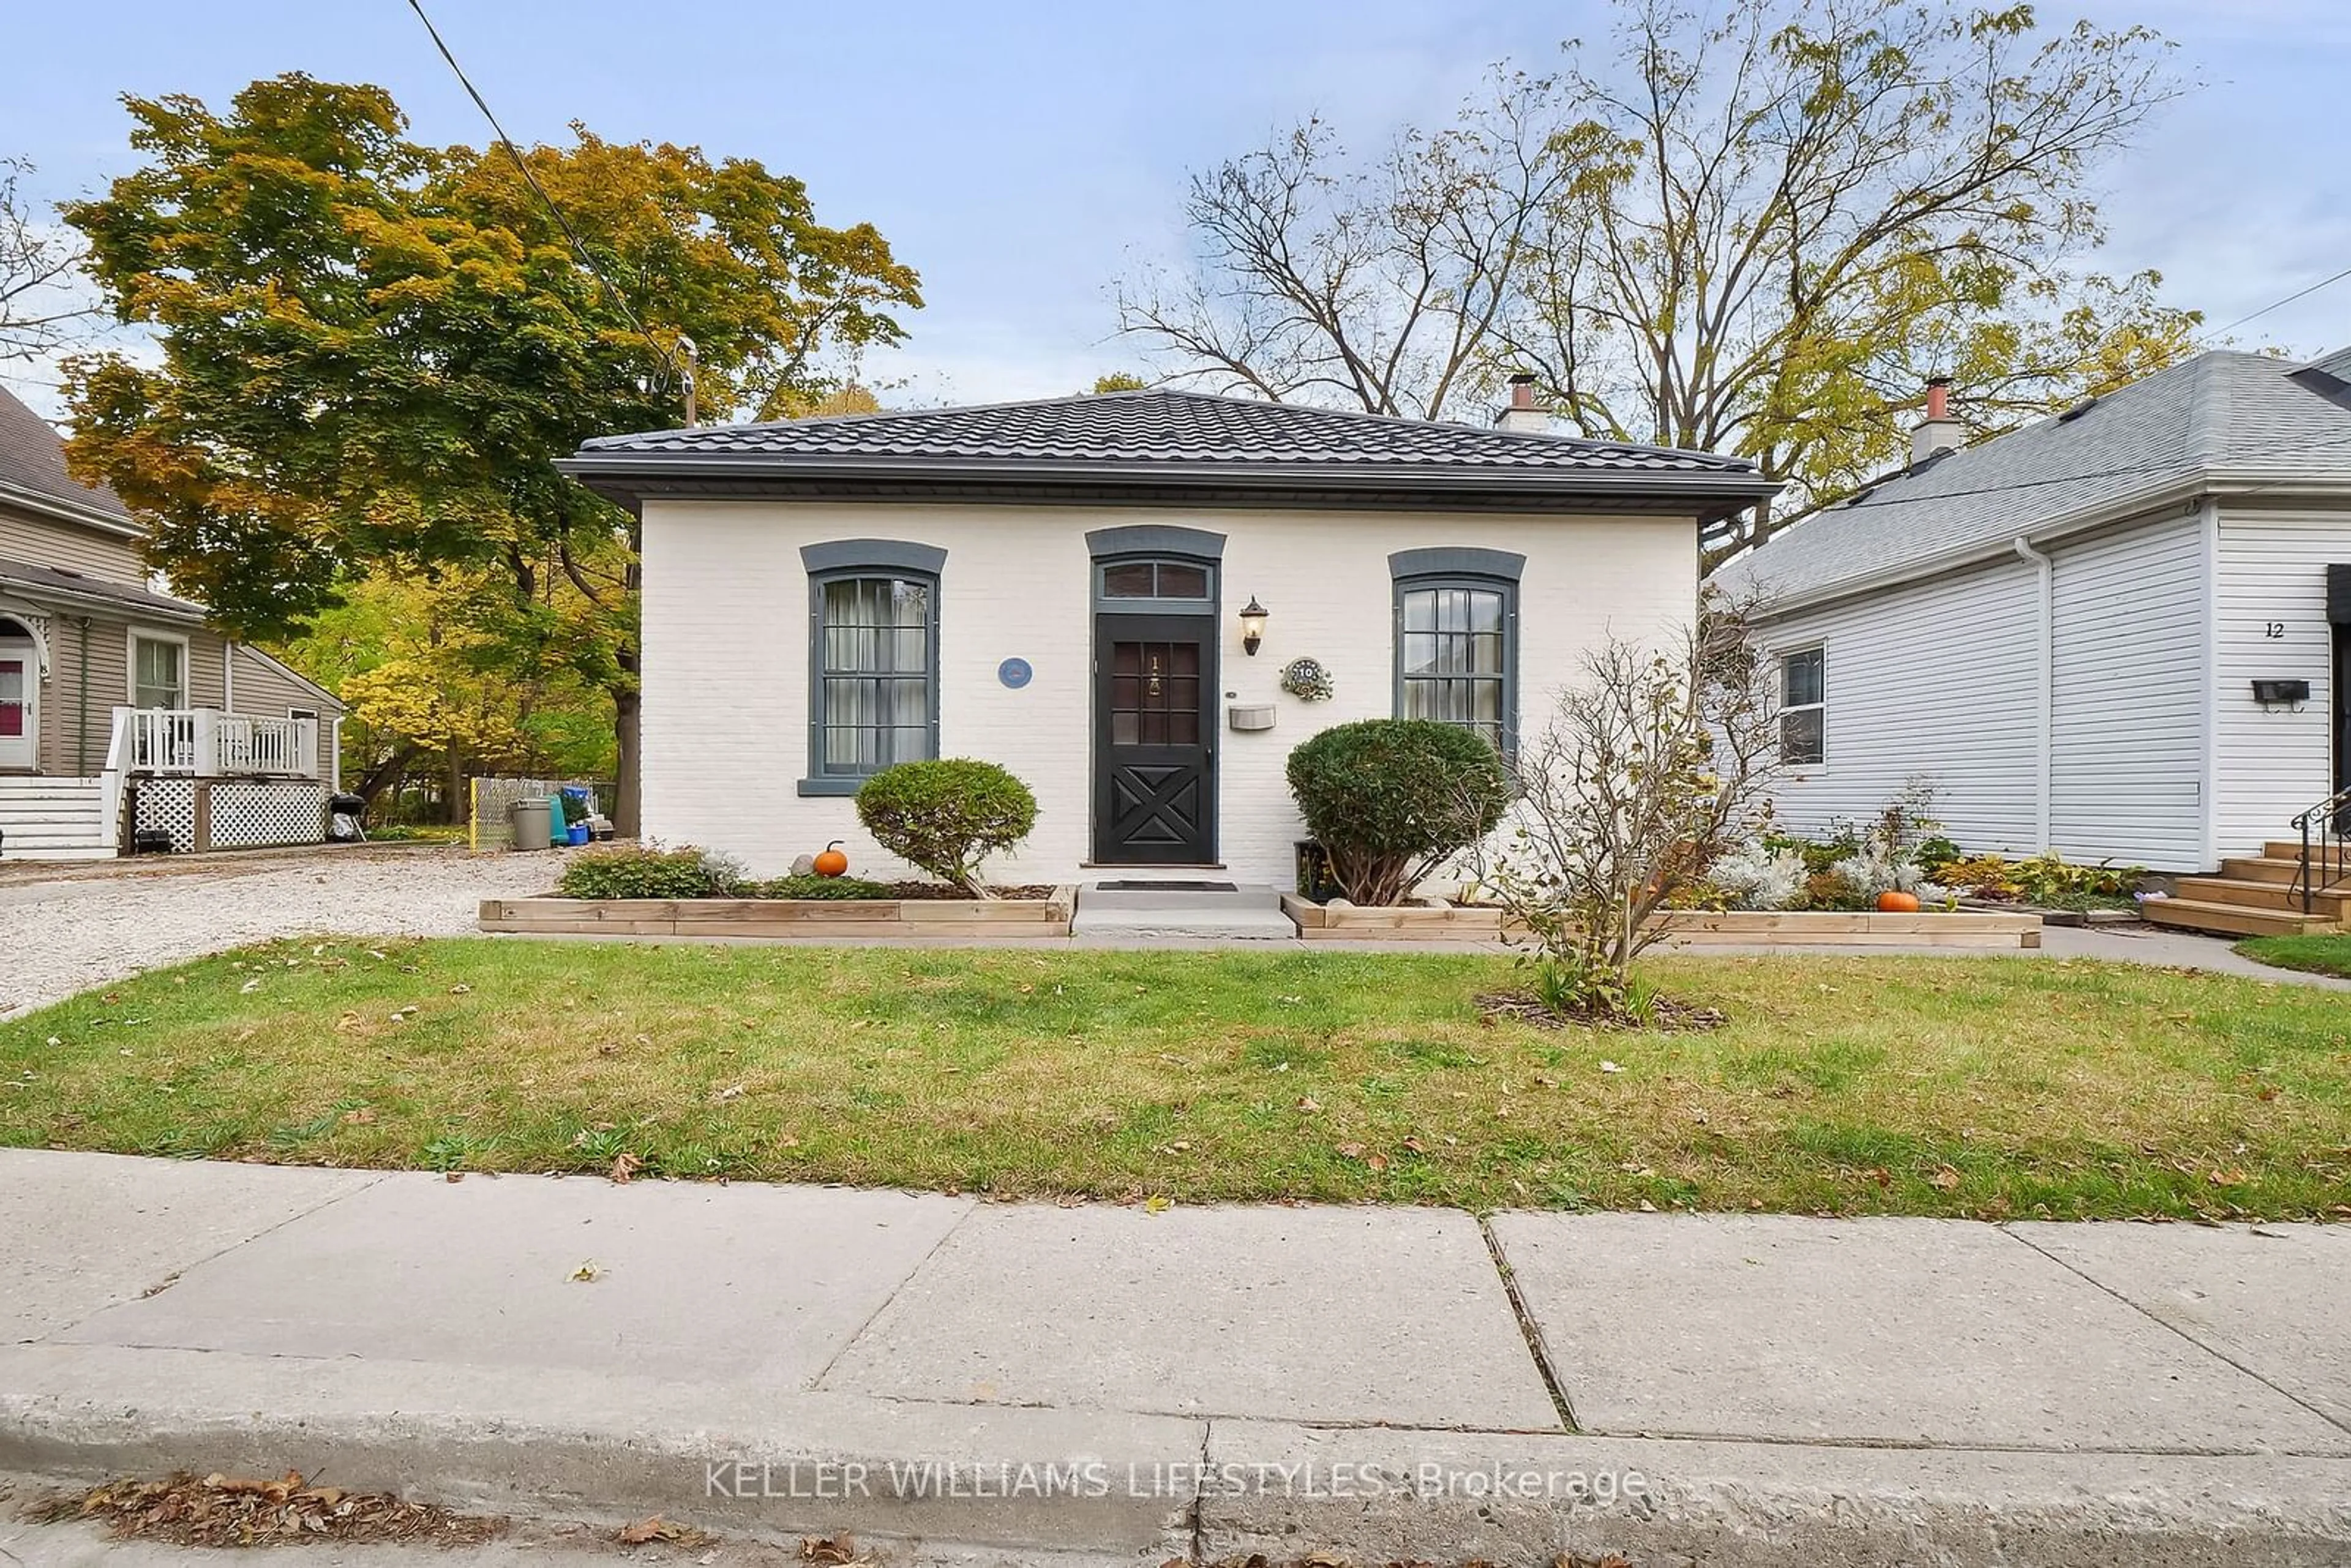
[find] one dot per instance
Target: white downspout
(2044, 739)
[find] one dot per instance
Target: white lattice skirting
(227, 814)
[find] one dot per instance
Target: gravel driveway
(91, 924)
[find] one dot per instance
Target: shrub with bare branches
(1653, 764)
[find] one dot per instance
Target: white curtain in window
(876, 696)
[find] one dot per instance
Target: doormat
(1167, 886)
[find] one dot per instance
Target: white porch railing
(206, 743)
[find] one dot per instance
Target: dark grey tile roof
(2220, 416)
(34, 580)
(32, 459)
(1167, 427)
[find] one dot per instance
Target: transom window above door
(1156, 579)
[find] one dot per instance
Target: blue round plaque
(1014, 673)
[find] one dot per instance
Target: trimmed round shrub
(1390, 800)
(944, 816)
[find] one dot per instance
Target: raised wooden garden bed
(814, 919)
(1457, 923)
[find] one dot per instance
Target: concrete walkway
(1125, 1385)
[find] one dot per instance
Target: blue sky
(1022, 155)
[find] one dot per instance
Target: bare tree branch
(41, 311)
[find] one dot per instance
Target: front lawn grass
(2317, 955)
(1954, 1086)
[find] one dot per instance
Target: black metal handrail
(2324, 856)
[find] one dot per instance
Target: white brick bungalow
(2120, 633)
(1060, 587)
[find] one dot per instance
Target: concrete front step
(1244, 913)
(2264, 894)
(2232, 919)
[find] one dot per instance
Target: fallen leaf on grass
(358, 1118)
(1944, 1177)
(2231, 1176)
(1308, 1104)
(625, 1166)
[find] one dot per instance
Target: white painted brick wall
(725, 639)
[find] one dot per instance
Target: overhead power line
(522, 167)
(2280, 304)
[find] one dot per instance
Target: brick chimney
(1522, 412)
(1938, 433)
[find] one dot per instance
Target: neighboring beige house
(119, 709)
(1066, 587)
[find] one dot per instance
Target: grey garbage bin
(526, 821)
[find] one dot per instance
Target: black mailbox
(2268, 692)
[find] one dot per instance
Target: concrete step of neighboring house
(2233, 919)
(2256, 894)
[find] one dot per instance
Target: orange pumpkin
(833, 862)
(1891, 901)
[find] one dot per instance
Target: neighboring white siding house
(2131, 648)
(2061, 628)
(1057, 587)
(2272, 615)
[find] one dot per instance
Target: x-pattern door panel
(1155, 800)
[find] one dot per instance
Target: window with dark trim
(1803, 707)
(874, 660)
(1457, 653)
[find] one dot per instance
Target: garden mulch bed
(941, 890)
(1667, 1015)
(226, 1511)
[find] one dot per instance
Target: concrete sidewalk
(983, 1382)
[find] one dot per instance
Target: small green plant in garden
(649, 872)
(945, 816)
(1390, 800)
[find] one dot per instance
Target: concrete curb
(948, 1481)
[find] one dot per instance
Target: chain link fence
(490, 827)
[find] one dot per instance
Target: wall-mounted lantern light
(1253, 616)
